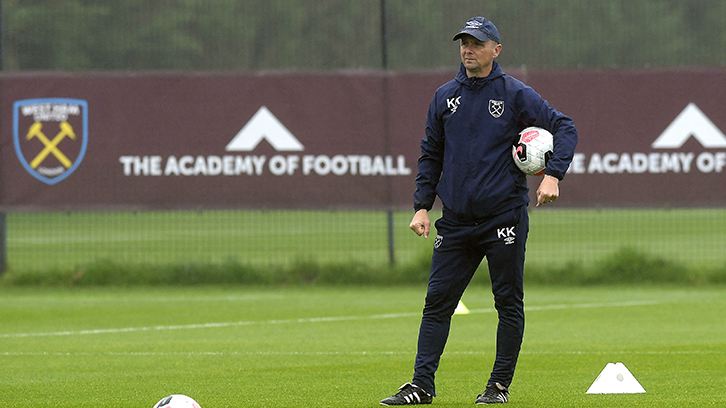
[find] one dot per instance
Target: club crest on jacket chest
(496, 108)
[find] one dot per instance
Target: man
(466, 159)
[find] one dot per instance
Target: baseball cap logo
(473, 24)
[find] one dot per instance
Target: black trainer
(494, 394)
(408, 394)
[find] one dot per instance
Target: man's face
(478, 56)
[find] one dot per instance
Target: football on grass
(533, 150)
(177, 401)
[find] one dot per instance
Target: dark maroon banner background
(361, 114)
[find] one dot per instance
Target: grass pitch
(349, 347)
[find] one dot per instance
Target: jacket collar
(477, 82)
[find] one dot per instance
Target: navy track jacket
(466, 155)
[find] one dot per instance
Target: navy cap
(481, 28)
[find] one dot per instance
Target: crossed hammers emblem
(51, 146)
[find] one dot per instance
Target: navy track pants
(458, 251)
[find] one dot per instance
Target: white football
(177, 401)
(533, 150)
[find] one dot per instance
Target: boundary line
(340, 353)
(308, 320)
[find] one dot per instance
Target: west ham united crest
(50, 136)
(496, 108)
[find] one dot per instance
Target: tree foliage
(251, 35)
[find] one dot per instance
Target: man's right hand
(420, 224)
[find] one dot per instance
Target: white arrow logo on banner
(691, 122)
(264, 126)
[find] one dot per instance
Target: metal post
(387, 135)
(3, 243)
(2, 36)
(391, 242)
(384, 44)
(3, 218)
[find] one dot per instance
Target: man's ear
(497, 50)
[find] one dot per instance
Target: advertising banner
(647, 138)
(206, 141)
(333, 140)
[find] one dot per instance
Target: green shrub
(627, 266)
